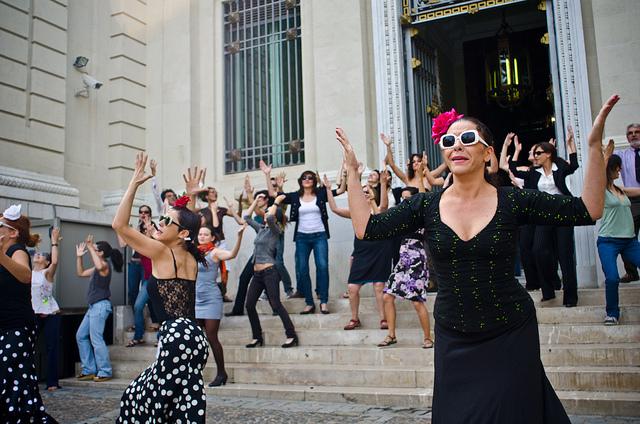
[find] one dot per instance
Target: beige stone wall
(612, 41)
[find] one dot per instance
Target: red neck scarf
(207, 247)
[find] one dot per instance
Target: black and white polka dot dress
(171, 390)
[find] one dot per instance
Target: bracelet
(54, 244)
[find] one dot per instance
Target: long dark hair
(487, 136)
(613, 164)
(410, 171)
(314, 189)
(190, 221)
(547, 147)
(109, 252)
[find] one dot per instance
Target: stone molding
(43, 188)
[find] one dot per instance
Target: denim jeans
(138, 311)
(608, 249)
(94, 354)
(50, 326)
(305, 243)
(282, 270)
(135, 274)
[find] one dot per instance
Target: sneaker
(611, 321)
(101, 379)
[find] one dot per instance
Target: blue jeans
(305, 243)
(135, 274)
(282, 270)
(608, 249)
(138, 311)
(94, 354)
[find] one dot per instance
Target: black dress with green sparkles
(487, 350)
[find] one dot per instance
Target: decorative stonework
(389, 71)
(26, 185)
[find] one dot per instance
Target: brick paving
(100, 405)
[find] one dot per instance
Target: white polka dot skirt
(20, 400)
(171, 390)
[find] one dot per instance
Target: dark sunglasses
(538, 153)
(145, 211)
(308, 178)
(167, 220)
(467, 138)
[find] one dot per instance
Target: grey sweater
(266, 241)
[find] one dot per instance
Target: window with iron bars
(263, 84)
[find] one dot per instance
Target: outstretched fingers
(595, 136)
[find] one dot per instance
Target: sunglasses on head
(4, 224)
(168, 220)
(467, 138)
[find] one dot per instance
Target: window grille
(263, 84)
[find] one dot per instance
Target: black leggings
(268, 280)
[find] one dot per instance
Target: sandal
(383, 324)
(388, 341)
(427, 343)
(353, 324)
(134, 342)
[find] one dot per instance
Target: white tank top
(309, 218)
(42, 294)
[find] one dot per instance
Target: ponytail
(110, 253)
(33, 240)
(191, 247)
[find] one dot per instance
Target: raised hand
(280, 180)
(385, 177)
(242, 228)
(608, 149)
(265, 168)
(279, 199)
(89, 242)
(139, 176)
(248, 188)
(194, 180)
(595, 135)
(552, 141)
(571, 142)
(325, 181)
(517, 144)
(81, 249)
(508, 139)
(386, 140)
(350, 159)
(154, 167)
(55, 235)
(360, 168)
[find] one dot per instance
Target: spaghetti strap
(175, 267)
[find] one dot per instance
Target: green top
(616, 220)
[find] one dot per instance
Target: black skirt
(493, 377)
(371, 261)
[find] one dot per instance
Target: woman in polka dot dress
(20, 400)
(171, 390)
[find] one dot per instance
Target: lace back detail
(178, 297)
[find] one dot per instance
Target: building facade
(224, 83)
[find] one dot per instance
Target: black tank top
(173, 297)
(15, 303)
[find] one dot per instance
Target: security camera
(91, 82)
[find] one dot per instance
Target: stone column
(572, 96)
(389, 76)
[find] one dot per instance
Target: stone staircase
(595, 369)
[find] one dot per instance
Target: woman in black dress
(487, 359)
(171, 389)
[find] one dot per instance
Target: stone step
(586, 297)
(562, 378)
(622, 354)
(575, 402)
(549, 334)
(409, 319)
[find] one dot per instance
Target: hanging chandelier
(507, 70)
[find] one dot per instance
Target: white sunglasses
(467, 138)
(4, 224)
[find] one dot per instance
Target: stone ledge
(35, 187)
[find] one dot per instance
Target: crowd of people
(461, 239)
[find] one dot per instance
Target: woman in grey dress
(209, 296)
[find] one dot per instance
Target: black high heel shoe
(220, 380)
(292, 343)
(255, 343)
(309, 311)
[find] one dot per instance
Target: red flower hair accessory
(442, 122)
(182, 202)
